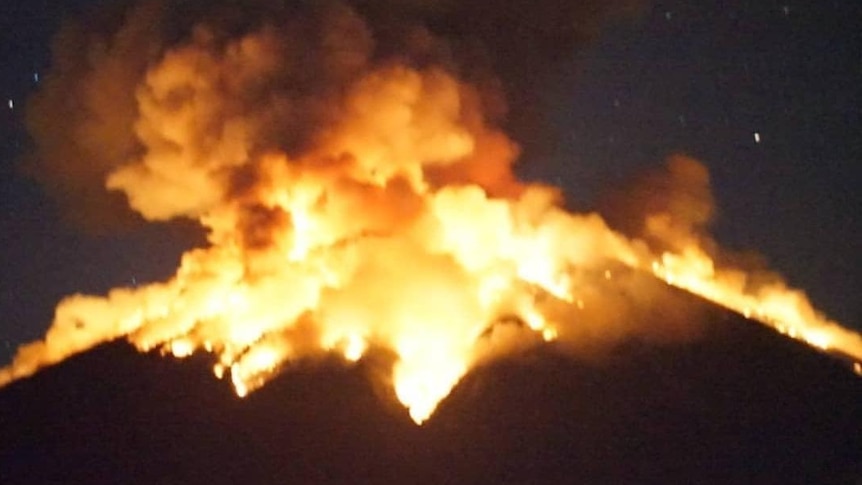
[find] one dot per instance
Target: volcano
(740, 404)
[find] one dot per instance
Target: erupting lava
(351, 199)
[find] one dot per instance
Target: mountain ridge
(739, 404)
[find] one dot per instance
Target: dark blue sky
(698, 79)
(703, 80)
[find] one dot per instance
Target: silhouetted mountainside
(740, 405)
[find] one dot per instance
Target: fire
(786, 310)
(370, 203)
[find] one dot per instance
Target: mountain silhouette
(738, 405)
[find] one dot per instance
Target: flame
(397, 222)
(786, 310)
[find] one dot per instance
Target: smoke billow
(349, 165)
(668, 206)
(263, 75)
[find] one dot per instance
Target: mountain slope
(738, 405)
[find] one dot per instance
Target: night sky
(766, 93)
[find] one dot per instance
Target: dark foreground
(739, 406)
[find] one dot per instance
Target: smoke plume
(92, 114)
(349, 166)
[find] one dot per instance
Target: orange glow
(786, 310)
(394, 222)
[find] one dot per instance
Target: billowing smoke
(293, 58)
(349, 166)
(666, 206)
(670, 209)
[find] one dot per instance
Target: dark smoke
(667, 206)
(83, 118)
